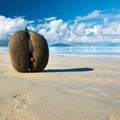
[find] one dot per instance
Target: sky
(62, 20)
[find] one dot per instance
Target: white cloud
(96, 26)
(49, 19)
(53, 30)
(10, 25)
(94, 14)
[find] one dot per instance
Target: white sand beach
(68, 89)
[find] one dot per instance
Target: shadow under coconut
(86, 69)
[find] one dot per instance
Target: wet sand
(68, 89)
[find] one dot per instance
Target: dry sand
(68, 89)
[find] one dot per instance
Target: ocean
(90, 49)
(86, 49)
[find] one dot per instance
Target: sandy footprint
(21, 102)
(18, 111)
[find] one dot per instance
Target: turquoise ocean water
(96, 49)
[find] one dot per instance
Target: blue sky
(64, 9)
(62, 20)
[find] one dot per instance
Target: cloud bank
(10, 25)
(97, 26)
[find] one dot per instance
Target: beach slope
(68, 89)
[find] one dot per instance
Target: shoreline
(69, 88)
(78, 52)
(80, 55)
